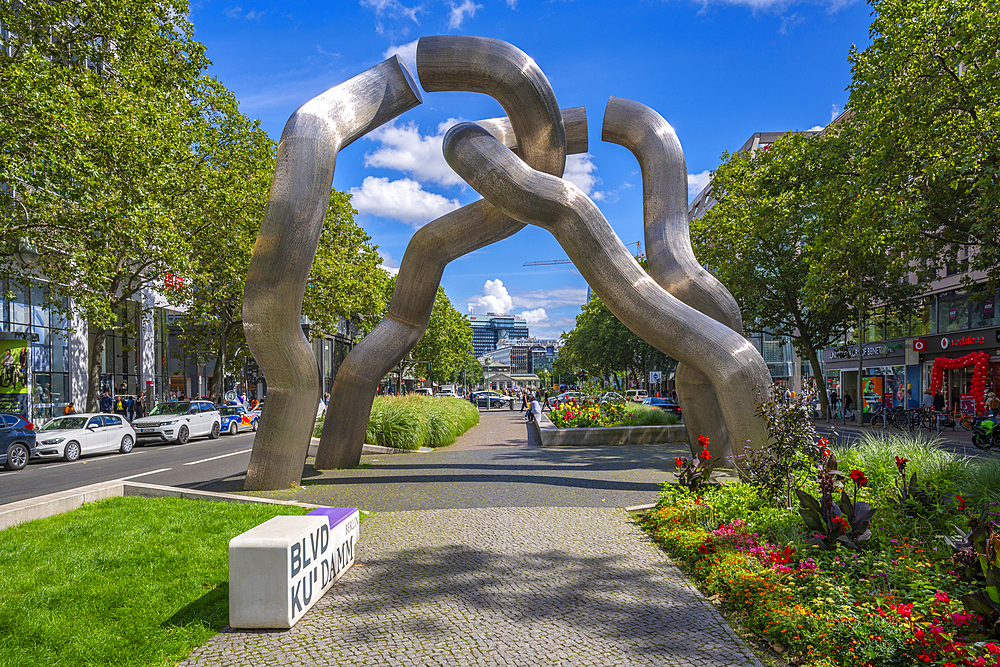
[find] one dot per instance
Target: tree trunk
(94, 370)
(820, 380)
(221, 361)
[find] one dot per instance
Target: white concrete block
(279, 569)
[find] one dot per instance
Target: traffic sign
(655, 376)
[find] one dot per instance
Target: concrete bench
(279, 569)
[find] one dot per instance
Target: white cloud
(556, 297)
(834, 112)
(534, 316)
(816, 128)
(407, 53)
(388, 263)
(393, 9)
(580, 172)
(402, 200)
(697, 183)
(789, 22)
(831, 5)
(494, 299)
(405, 149)
(460, 12)
(237, 14)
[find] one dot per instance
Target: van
(426, 391)
(636, 395)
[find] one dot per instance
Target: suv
(178, 421)
(17, 441)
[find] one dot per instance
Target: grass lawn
(125, 581)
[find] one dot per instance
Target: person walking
(928, 401)
(130, 408)
(939, 402)
(106, 403)
(546, 403)
(524, 401)
(140, 405)
(832, 401)
(120, 406)
(848, 407)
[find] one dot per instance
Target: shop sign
(882, 350)
(958, 342)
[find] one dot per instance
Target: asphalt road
(198, 463)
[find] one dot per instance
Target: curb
(60, 502)
(371, 449)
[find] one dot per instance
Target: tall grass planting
(412, 422)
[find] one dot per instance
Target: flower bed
(854, 571)
(590, 415)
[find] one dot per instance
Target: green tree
(926, 102)
(788, 240)
(101, 119)
(605, 348)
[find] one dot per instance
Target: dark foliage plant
(696, 474)
(977, 557)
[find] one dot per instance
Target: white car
(179, 421)
(71, 436)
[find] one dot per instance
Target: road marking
(60, 465)
(143, 474)
(242, 451)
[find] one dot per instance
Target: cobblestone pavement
(498, 586)
(498, 463)
(495, 551)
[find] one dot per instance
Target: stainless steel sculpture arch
(283, 255)
(516, 163)
(715, 350)
(672, 263)
(447, 63)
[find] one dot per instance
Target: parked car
(611, 397)
(71, 436)
(17, 441)
(179, 421)
(636, 395)
(665, 404)
(424, 391)
(495, 400)
(236, 418)
(566, 397)
(446, 394)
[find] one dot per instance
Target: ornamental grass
(412, 422)
(915, 586)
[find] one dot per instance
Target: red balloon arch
(979, 360)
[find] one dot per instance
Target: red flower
(859, 478)
(993, 648)
(705, 455)
(680, 462)
(903, 610)
(697, 500)
(841, 522)
(961, 503)
(901, 463)
(703, 441)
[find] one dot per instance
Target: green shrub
(875, 454)
(982, 482)
(645, 415)
(412, 422)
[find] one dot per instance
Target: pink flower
(993, 648)
(941, 596)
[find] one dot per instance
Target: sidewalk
(958, 440)
(489, 583)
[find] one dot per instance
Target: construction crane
(549, 262)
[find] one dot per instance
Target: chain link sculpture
(517, 165)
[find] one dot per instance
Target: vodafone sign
(939, 343)
(919, 346)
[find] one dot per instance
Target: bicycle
(879, 418)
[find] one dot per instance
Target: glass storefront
(32, 309)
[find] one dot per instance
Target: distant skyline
(717, 71)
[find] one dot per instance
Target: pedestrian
(130, 407)
(534, 409)
(992, 404)
(848, 406)
(106, 403)
(119, 406)
(788, 396)
(939, 401)
(140, 405)
(833, 400)
(70, 409)
(546, 403)
(524, 401)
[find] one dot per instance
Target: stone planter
(551, 436)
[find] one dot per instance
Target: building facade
(490, 329)
(525, 356)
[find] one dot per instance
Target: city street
(197, 463)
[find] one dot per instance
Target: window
(922, 318)
(984, 310)
(94, 421)
(110, 420)
(953, 312)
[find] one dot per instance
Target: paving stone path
(499, 585)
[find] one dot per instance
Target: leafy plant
(978, 553)
(696, 474)
(847, 523)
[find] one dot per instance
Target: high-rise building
(488, 330)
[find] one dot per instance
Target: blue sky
(717, 70)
